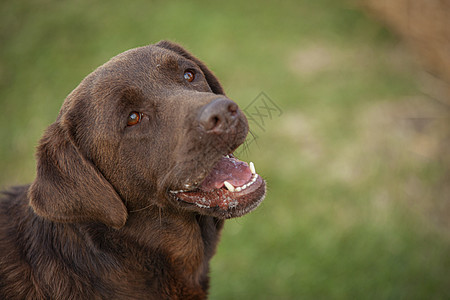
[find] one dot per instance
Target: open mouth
(231, 189)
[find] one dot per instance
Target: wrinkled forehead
(144, 60)
(147, 69)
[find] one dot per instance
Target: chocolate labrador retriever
(134, 181)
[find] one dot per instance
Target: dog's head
(150, 127)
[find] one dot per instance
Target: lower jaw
(223, 203)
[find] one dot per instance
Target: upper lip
(193, 184)
(228, 184)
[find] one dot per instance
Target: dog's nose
(218, 115)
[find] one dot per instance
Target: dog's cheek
(137, 169)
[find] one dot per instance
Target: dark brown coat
(129, 199)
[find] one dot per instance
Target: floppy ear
(210, 77)
(69, 188)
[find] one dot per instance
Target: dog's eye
(134, 118)
(189, 75)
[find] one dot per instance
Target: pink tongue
(232, 170)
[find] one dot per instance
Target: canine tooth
(229, 186)
(252, 168)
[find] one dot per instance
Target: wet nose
(218, 115)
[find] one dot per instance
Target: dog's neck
(187, 240)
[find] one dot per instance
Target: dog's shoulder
(14, 209)
(16, 280)
(13, 194)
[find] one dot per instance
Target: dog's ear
(69, 188)
(210, 77)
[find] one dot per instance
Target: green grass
(354, 187)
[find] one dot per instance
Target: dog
(134, 181)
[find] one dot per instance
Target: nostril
(233, 109)
(211, 122)
(215, 121)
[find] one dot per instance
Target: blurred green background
(358, 187)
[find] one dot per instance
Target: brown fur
(97, 222)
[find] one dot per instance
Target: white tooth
(229, 186)
(252, 168)
(238, 189)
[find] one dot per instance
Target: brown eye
(134, 118)
(189, 76)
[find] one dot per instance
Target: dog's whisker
(141, 209)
